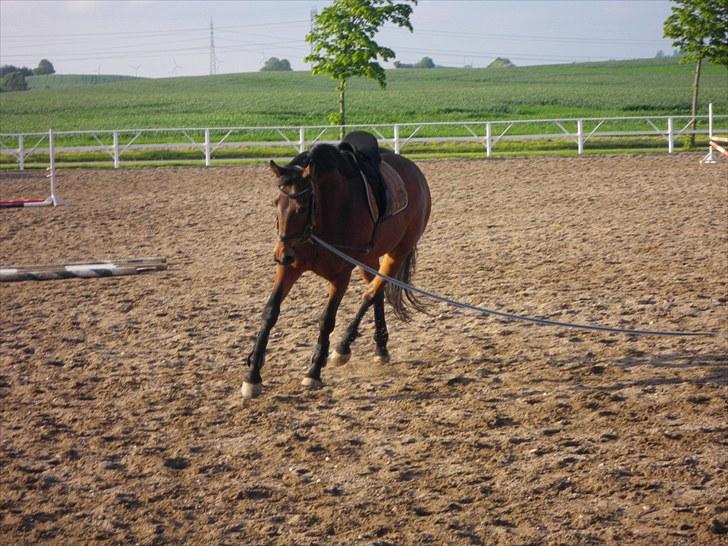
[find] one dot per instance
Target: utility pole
(314, 13)
(213, 63)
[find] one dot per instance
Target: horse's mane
(326, 158)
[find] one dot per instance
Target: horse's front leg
(337, 288)
(285, 278)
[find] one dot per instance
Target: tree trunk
(694, 106)
(342, 108)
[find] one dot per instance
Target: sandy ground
(122, 420)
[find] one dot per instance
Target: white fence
(291, 140)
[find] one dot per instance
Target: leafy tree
(698, 30)
(44, 67)
(425, 62)
(7, 68)
(343, 42)
(274, 64)
(13, 81)
(501, 62)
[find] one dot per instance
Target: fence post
(21, 153)
(580, 136)
(116, 150)
(301, 140)
(670, 143)
(207, 147)
(488, 140)
(52, 165)
(396, 139)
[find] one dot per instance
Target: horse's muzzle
(284, 254)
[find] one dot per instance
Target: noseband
(305, 235)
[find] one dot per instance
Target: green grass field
(64, 81)
(649, 87)
(654, 87)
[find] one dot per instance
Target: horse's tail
(403, 300)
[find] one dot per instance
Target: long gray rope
(501, 314)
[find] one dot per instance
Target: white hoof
(251, 390)
(311, 383)
(338, 359)
(380, 360)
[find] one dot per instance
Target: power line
(490, 54)
(530, 37)
(154, 33)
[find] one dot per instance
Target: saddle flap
(397, 198)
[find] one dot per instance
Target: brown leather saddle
(385, 190)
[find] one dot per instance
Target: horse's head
(297, 182)
(294, 204)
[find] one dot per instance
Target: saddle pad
(397, 198)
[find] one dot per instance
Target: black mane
(325, 158)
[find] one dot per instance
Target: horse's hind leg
(374, 295)
(381, 335)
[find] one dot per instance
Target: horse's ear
(276, 169)
(308, 170)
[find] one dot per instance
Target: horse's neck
(343, 212)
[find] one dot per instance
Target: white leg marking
(338, 359)
(311, 383)
(251, 390)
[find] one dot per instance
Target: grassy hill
(652, 86)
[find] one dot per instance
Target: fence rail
(295, 139)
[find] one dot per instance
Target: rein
(500, 314)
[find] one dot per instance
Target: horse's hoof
(338, 359)
(251, 390)
(311, 383)
(381, 359)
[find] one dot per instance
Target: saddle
(384, 188)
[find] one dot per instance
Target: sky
(161, 39)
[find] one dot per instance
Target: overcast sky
(165, 38)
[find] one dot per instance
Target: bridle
(305, 235)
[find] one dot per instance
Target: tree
(274, 64)
(698, 30)
(424, 62)
(7, 68)
(343, 43)
(501, 62)
(44, 67)
(13, 81)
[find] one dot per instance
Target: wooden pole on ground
(110, 268)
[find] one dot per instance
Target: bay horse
(321, 192)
